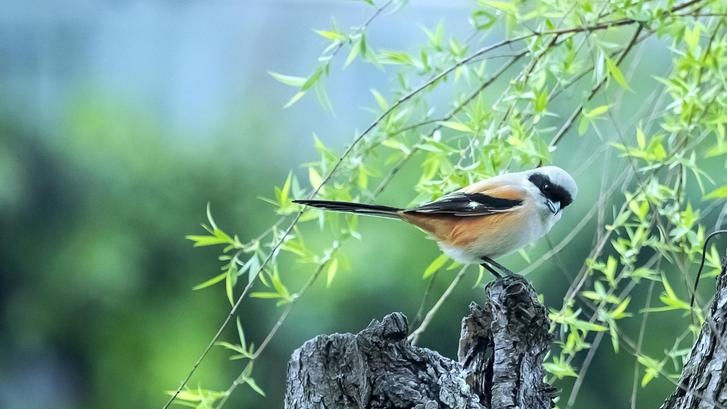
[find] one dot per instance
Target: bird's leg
(490, 269)
(499, 266)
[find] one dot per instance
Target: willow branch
(573, 116)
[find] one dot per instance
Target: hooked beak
(553, 206)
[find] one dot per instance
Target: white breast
(532, 223)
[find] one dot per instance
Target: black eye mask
(552, 192)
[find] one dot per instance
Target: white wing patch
(468, 204)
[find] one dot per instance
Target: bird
(485, 220)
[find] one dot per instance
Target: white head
(555, 186)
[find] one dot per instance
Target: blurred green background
(120, 120)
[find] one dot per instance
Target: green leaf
(212, 281)
(541, 101)
(640, 138)
(610, 270)
(560, 368)
(230, 281)
(616, 73)
(717, 150)
(457, 126)
(435, 38)
(394, 144)
(507, 7)
(314, 178)
(380, 100)
(240, 332)
(199, 395)
(691, 37)
(253, 268)
(201, 241)
(326, 153)
(254, 386)
(480, 276)
(298, 95)
(396, 57)
(482, 19)
(717, 193)
(331, 35)
(589, 326)
(620, 311)
(313, 78)
(331, 271)
(231, 347)
(353, 53)
(435, 265)
(595, 112)
(285, 191)
(280, 287)
(290, 80)
(264, 294)
(322, 96)
(209, 217)
(614, 337)
(363, 177)
(670, 298)
(653, 368)
(582, 126)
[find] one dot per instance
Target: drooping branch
(502, 346)
(703, 383)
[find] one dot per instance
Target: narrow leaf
(212, 281)
(457, 126)
(435, 265)
(717, 193)
(616, 73)
(290, 80)
(331, 271)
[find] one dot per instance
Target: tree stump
(502, 345)
(703, 383)
(501, 350)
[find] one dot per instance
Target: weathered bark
(703, 383)
(501, 351)
(503, 345)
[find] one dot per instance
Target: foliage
(502, 103)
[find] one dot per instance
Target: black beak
(553, 206)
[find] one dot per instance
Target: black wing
(467, 204)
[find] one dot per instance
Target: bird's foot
(490, 265)
(491, 270)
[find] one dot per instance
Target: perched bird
(484, 220)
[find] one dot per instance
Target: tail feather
(348, 207)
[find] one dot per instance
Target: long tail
(348, 207)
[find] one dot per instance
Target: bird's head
(556, 186)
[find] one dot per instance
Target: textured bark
(503, 345)
(501, 351)
(703, 383)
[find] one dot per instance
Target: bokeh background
(120, 120)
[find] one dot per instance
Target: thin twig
(414, 336)
(420, 310)
(640, 343)
(584, 369)
(571, 119)
(287, 231)
(283, 316)
(396, 168)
